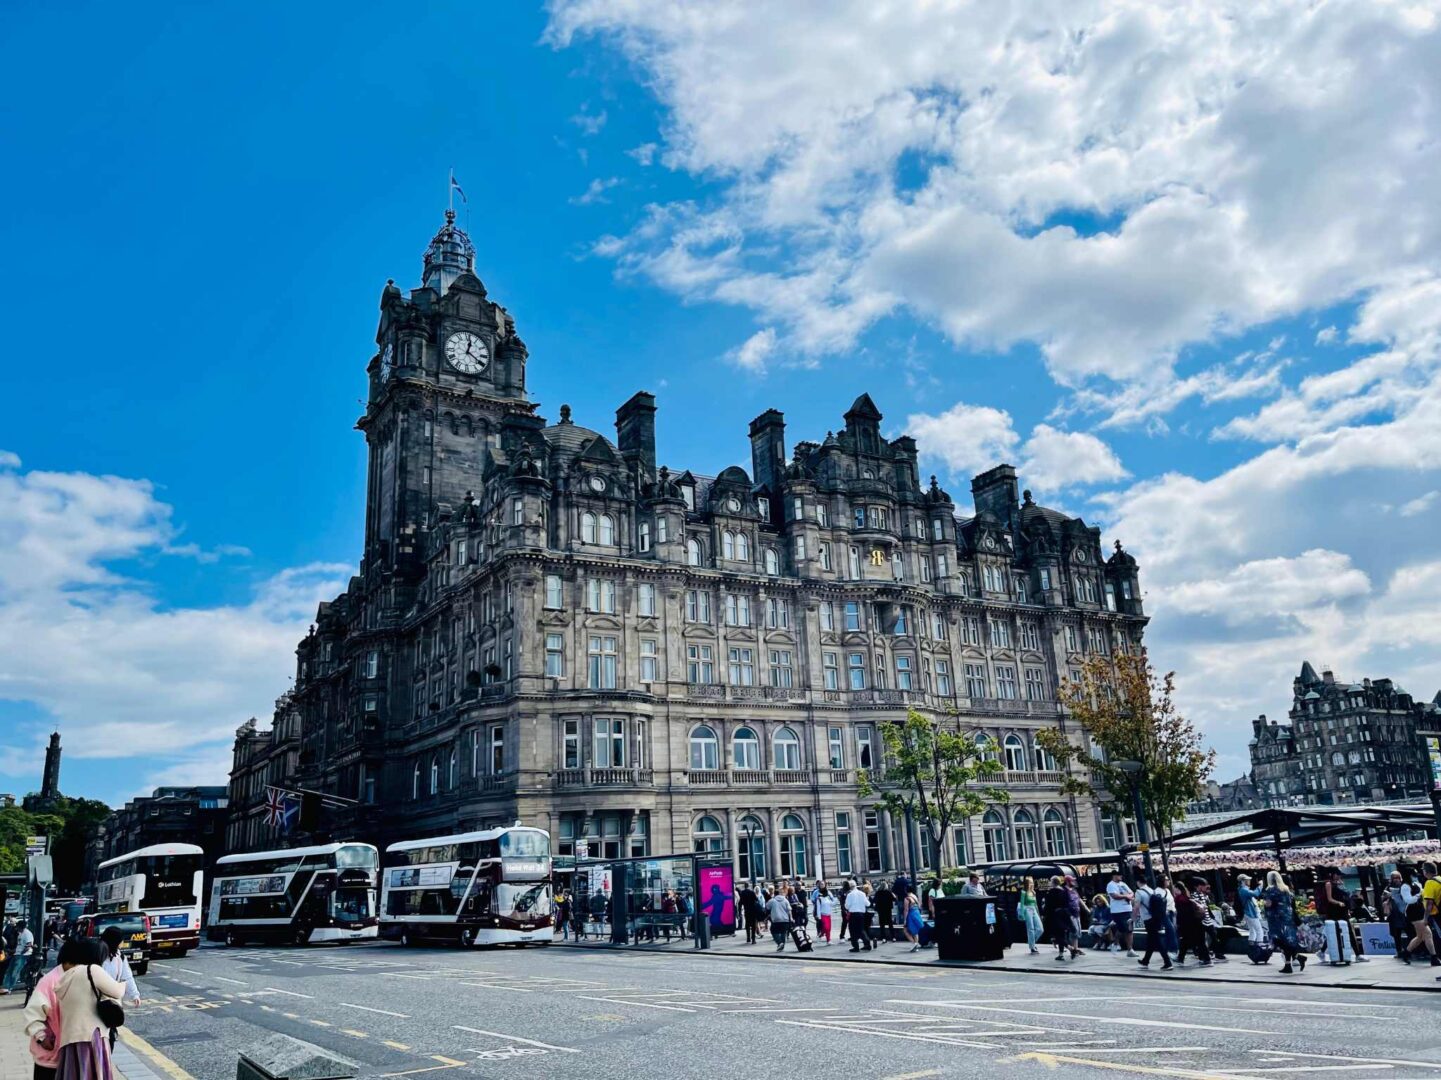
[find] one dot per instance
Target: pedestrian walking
(1030, 913)
(20, 955)
(825, 907)
(1332, 904)
(911, 920)
(1155, 910)
(1281, 920)
(750, 904)
(118, 968)
(1210, 927)
(1247, 900)
(562, 914)
(858, 918)
(1394, 902)
(1422, 940)
(1055, 909)
(885, 901)
(84, 1052)
(1122, 902)
(778, 913)
(1189, 926)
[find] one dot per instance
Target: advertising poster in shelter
(717, 900)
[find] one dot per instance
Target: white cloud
(120, 673)
(1266, 588)
(1419, 505)
(9, 460)
(755, 352)
(1249, 161)
(645, 153)
(595, 191)
(1326, 336)
(1055, 459)
(589, 123)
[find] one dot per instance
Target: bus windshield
(525, 844)
(169, 880)
(357, 855)
(522, 901)
(352, 904)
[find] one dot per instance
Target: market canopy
(1281, 828)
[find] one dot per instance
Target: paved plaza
(673, 1014)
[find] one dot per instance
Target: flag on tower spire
(454, 188)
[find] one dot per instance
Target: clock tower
(448, 369)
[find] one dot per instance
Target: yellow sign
(878, 557)
(1143, 848)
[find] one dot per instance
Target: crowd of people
(75, 1007)
(863, 913)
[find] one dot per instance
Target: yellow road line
(159, 1060)
(394, 1045)
(353, 1033)
(1052, 1060)
(914, 1075)
(448, 1063)
(322, 1023)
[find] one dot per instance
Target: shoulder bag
(111, 1014)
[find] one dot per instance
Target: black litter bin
(969, 928)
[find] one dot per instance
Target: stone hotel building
(550, 625)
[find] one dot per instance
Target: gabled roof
(865, 408)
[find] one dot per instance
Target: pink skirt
(85, 1060)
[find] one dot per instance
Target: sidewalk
(17, 1064)
(1377, 973)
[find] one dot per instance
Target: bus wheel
(302, 936)
(233, 939)
(467, 937)
(406, 939)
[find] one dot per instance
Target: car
(136, 944)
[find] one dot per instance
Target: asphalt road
(557, 1012)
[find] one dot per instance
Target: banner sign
(421, 877)
(717, 899)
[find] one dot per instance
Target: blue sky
(734, 212)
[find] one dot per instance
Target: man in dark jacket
(885, 905)
(751, 905)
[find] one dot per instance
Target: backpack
(1156, 906)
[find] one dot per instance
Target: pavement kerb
(961, 965)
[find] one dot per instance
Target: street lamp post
(750, 851)
(1132, 769)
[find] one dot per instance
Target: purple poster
(717, 899)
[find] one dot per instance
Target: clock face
(467, 352)
(989, 541)
(597, 483)
(733, 505)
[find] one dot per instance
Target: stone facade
(548, 625)
(1343, 743)
(169, 815)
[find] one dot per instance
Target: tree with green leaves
(935, 771)
(1130, 714)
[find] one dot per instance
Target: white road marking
(1281, 1055)
(909, 1036)
(288, 993)
(643, 1004)
(237, 982)
(367, 1008)
(1311, 1068)
(1146, 1050)
(1135, 1022)
(516, 1038)
(191, 971)
(402, 975)
(499, 986)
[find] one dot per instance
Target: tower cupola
(450, 254)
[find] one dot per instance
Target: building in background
(549, 625)
(1343, 743)
(169, 815)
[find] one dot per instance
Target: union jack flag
(280, 808)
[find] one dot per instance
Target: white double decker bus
(299, 895)
(163, 881)
(479, 888)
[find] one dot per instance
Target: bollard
(702, 931)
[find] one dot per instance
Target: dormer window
(687, 493)
(763, 507)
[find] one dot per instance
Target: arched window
(644, 531)
(773, 562)
(587, 528)
(728, 545)
(707, 837)
(415, 782)
(743, 548)
(1015, 754)
(1338, 758)
(962, 841)
(434, 775)
(987, 746)
(1045, 760)
(993, 831)
(746, 749)
(1053, 827)
(793, 847)
(607, 529)
(1027, 842)
(704, 749)
(751, 844)
(692, 552)
(787, 749)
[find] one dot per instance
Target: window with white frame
(836, 745)
(1035, 684)
(517, 511)
(600, 596)
(608, 751)
(939, 630)
(970, 629)
(697, 606)
(823, 516)
(662, 529)
(800, 549)
(570, 744)
(602, 655)
(825, 551)
(856, 666)
(707, 837)
(555, 655)
(497, 749)
(1027, 842)
(853, 615)
(589, 533)
(728, 545)
(778, 613)
(1006, 682)
(787, 750)
(793, 847)
(865, 746)
(742, 666)
(1000, 634)
(904, 672)
(700, 664)
(763, 507)
(1015, 751)
(943, 678)
(830, 670)
(1030, 636)
(692, 552)
(372, 664)
(1045, 576)
(554, 594)
(746, 749)
(843, 841)
(738, 610)
(827, 615)
(704, 749)
(993, 832)
(649, 660)
(644, 536)
(782, 674)
(772, 561)
(1055, 834)
(435, 774)
(853, 563)
(976, 681)
(645, 598)
(1073, 640)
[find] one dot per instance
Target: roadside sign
(37, 845)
